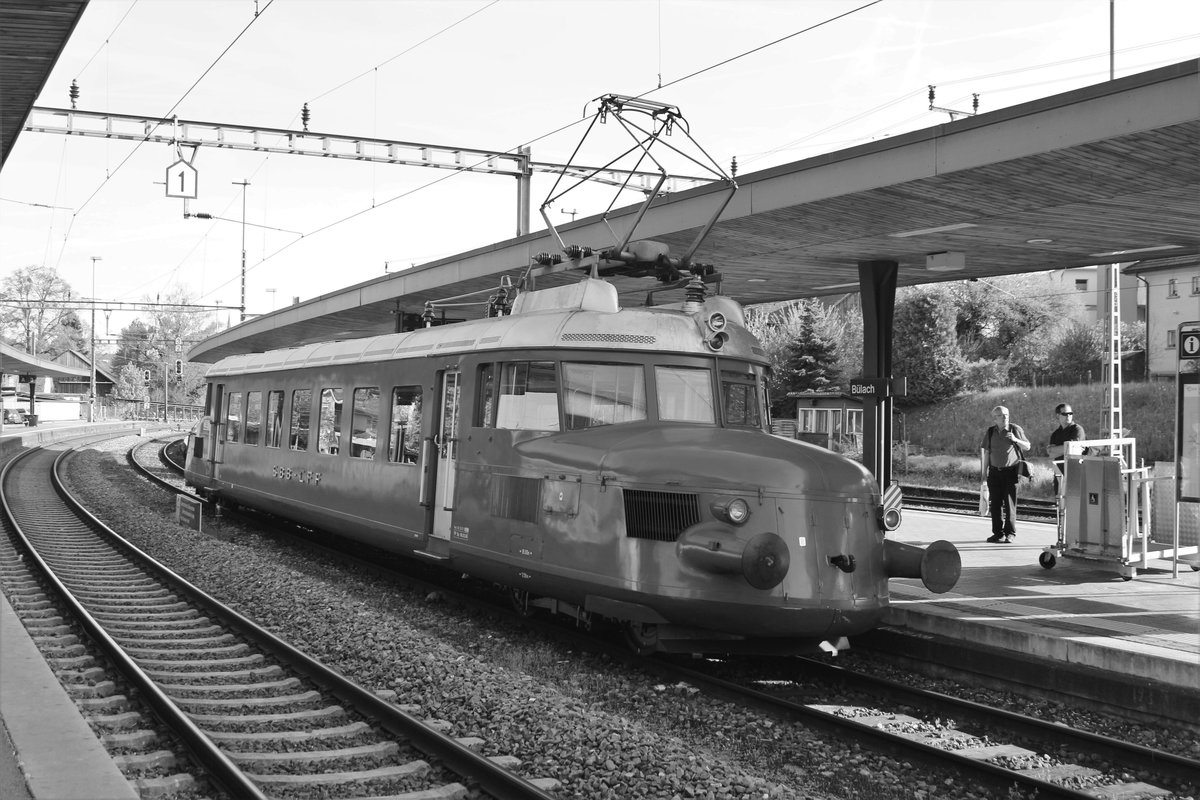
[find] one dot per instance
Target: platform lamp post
(92, 355)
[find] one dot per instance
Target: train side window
(364, 426)
(404, 437)
(740, 403)
(253, 416)
(528, 397)
(684, 394)
(329, 431)
(301, 410)
(603, 394)
(233, 417)
(274, 417)
(487, 394)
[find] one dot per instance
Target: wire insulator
(305, 115)
(74, 93)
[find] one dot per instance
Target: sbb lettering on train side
(298, 475)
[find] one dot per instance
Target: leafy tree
(1079, 351)
(150, 343)
(993, 316)
(925, 347)
(32, 319)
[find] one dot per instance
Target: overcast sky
(491, 76)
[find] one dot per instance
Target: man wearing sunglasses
(1068, 430)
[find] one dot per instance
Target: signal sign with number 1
(182, 180)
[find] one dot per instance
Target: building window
(1170, 340)
(1196, 284)
(1081, 284)
(1172, 287)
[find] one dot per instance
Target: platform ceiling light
(1137, 250)
(958, 226)
(945, 262)
(1038, 241)
(837, 285)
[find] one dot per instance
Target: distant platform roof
(18, 362)
(1107, 173)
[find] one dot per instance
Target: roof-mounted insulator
(305, 115)
(576, 252)
(427, 315)
(547, 260)
(74, 93)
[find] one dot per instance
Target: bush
(957, 425)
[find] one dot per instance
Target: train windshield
(603, 394)
(684, 394)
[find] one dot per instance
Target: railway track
(990, 745)
(257, 717)
(963, 502)
(999, 746)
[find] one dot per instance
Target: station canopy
(18, 362)
(1109, 173)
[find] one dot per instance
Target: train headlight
(716, 321)
(735, 511)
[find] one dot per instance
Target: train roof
(578, 316)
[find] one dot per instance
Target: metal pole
(243, 183)
(92, 355)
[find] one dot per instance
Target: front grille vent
(516, 498)
(660, 516)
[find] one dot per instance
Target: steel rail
(221, 769)
(492, 778)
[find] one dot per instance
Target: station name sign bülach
(879, 387)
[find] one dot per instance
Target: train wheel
(519, 598)
(1047, 560)
(642, 637)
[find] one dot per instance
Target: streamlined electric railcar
(596, 461)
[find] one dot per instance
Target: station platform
(1078, 628)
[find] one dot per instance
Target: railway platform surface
(1079, 616)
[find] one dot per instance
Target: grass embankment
(943, 449)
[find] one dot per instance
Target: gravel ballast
(602, 730)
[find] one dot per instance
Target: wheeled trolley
(1105, 511)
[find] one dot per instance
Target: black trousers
(1002, 499)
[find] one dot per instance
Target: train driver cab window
(603, 394)
(253, 416)
(301, 411)
(364, 426)
(233, 418)
(739, 399)
(404, 438)
(528, 398)
(329, 431)
(274, 417)
(684, 394)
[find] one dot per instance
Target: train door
(217, 415)
(446, 442)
